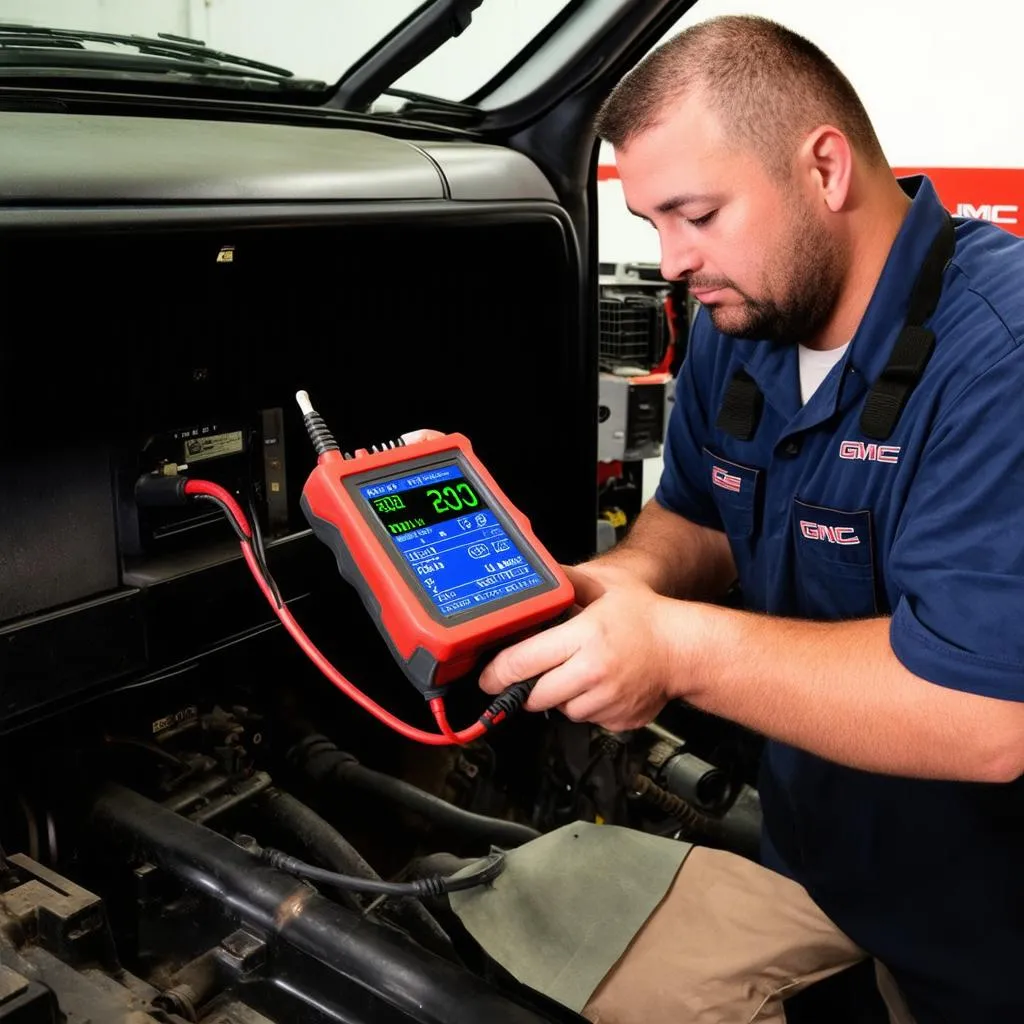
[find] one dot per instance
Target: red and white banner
(993, 194)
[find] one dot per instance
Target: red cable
(216, 491)
(446, 737)
(441, 717)
(665, 365)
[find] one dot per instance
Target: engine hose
(648, 790)
(324, 763)
(328, 846)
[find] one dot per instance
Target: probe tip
(305, 405)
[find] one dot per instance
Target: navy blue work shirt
(927, 526)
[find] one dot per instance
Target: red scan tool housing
(435, 637)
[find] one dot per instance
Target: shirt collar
(872, 344)
(773, 366)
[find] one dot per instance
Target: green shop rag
(569, 903)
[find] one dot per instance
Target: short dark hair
(769, 85)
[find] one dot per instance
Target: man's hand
(609, 664)
(426, 434)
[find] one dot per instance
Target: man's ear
(825, 160)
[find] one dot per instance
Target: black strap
(741, 407)
(913, 348)
(743, 402)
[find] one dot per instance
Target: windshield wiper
(21, 45)
(420, 103)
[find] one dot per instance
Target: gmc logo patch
(858, 451)
(726, 480)
(830, 534)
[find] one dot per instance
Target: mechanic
(879, 547)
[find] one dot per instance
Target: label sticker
(213, 446)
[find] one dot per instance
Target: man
(875, 519)
(877, 531)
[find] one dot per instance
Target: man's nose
(679, 257)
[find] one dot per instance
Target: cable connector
(319, 433)
(508, 702)
(155, 490)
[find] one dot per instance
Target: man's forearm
(837, 690)
(674, 556)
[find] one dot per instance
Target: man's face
(751, 248)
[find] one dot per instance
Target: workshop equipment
(632, 414)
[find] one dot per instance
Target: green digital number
(439, 504)
(391, 503)
(468, 497)
(406, 525)
(453, 499)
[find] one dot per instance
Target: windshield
(313, 40)
(500, 30)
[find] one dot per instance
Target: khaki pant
(727, 945)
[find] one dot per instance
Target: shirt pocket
(834, 562)
(734, 488)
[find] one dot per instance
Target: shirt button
(791, 448)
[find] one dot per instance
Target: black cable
(255, 542)
(330, 849)
(257, 533)
(260, 551)
(435, 886)
(239, 532)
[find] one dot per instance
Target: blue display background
(462, 562)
